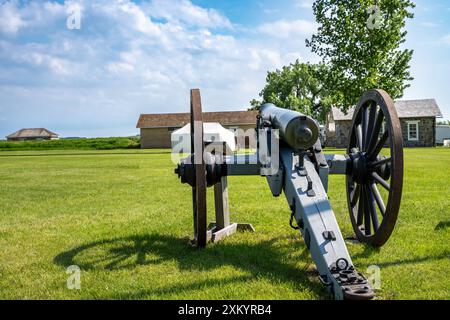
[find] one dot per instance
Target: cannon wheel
(199, 191)
(373, 220)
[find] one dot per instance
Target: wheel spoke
(359, 137)
(380, 162)
(194, 208)
(378, 198)
(364, 123)
(370, 127)
(373, 209)
(355, 195)
(373, 153)
(359, 219)
(366, 212)
(381, 181)
(376, 130)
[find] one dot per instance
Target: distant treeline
(73, 144)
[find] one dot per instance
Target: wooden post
(221, 204)
(223, 227)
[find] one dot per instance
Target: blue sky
(132, 57)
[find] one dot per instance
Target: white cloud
(34, 57)
(16, 16)
(183, 11)
(127, 14)
(130, 58)
(262, 57)
(10, 18)
(288, 29)
(429, 24)
(446, 39)
(120, 68)
(305, 4)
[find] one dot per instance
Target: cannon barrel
(299, 131)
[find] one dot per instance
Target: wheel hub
(214, 171)
(360, 168)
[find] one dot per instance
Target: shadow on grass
(442, 225)
(265, 259)
(180, 288)
(443, 255)
(369, 251)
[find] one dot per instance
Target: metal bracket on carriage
(354, 286)
(300, 165)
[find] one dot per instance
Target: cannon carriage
(290, 156)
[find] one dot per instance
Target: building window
(413, 130)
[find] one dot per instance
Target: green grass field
(125, 220)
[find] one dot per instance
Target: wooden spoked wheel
(375, 180)
(199, 188)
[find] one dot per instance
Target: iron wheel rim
(199, 191)
(364, 136)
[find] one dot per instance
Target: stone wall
(427, 133)
(338, 138)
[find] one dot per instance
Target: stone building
(157, 128)
(417, 117)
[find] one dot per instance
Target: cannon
(290, 156)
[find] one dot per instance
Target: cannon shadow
(442, 225)
(263, 259)
(370, 251)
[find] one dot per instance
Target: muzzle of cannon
(372, 165)
(298, 131)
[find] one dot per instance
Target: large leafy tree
(297, 87)
(362, 47)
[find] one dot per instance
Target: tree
(360, 43)
(297, 87)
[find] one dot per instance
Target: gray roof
(32, 133)
(405, 109)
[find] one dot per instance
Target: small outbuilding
(417, 118)
(212, 132)
(32, 134)
(442, 133)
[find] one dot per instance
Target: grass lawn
(125, 220)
